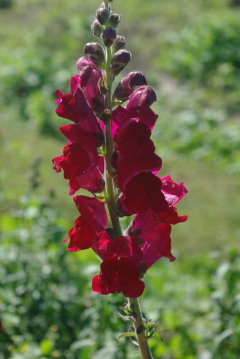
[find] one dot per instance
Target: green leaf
(127, 334)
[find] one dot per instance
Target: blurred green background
(190, 53)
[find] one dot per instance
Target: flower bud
(144, 96)
(119, 43)
(126, 87)
(102, 16)
(114, 20)
(96, 52)
(120, 60)
(108, 36)
(96, 28)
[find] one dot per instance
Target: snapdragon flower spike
(114, 143)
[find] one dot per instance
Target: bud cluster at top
(110, 154)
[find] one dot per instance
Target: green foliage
(47, 309)
(208, 52)
(42, 63)
(4, 4)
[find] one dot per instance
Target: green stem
(142, 341)
(111, 198)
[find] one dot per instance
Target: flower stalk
(140, 329)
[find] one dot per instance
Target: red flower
(123, 246)
(87, 227)
(80, 161)
(81, 236)
(74, 107)
(154, 228)
(122, 116)
(118, 274)
(133, 140)
(142, 192)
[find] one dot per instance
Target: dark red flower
(122, 116)
(80, 161)
(154, 228)
(81, 236)
(133, 140)
(87, 227)
(118, 274)
(142, 192)
(123, 246)
(75, 107)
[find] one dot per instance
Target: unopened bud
(95, 51)
(119, 43)
(128, 84)
(120, 60)
(102, 16)
(96, 28)
(114, 20)
(108, 36)
(144, 96)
